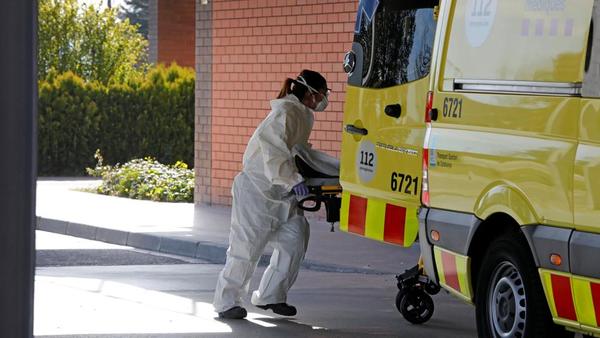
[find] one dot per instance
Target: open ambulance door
(384, 118)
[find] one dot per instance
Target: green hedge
(151, 116)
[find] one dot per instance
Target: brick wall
(153, 31)
(256, 44)
(176, 32)
(203, 104)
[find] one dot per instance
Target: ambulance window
(396, 38)
(591, 80)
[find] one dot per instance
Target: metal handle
(350, 128)
(393, 110)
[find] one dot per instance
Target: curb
(209, 251)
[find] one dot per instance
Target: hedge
(151, 116)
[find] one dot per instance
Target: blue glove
(300, 189)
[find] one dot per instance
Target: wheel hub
(507, 301)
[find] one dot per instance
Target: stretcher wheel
(432, 288)
(415, 305)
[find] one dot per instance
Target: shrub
(149, 116)
(91, 42)
(145, 179)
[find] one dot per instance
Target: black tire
(509, 298)
(415, 305)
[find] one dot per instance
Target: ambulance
(474, 126)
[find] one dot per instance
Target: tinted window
(396, 39)
(591, 80)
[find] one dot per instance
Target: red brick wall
(176, 32)
(256, 45)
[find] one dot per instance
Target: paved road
(139, 294)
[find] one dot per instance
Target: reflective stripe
(411, 226)
(344, 210)
(357, 215)
(584, 302)
(563, 297)
(375, 220)
(586, 293)
(454, 272)
(547, 284)
(378, 220)
(595, 287)
(573, 300)
(449, 266)
(437, 253)
(395, 219)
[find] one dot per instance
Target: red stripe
(449, 265)
(596, 298)
(357, 215)
(563, 298)
(395, 218)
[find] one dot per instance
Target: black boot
(279, 308)
(236, 312)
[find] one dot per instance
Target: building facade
(172, 32)
(244, 50)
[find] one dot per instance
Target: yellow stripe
(547, 284)
(463, 269)
(375, 220)
(411, 228)
(439, 265)
(344, 210)
(584, 304)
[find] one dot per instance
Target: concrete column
(203, 121)
(18, 150)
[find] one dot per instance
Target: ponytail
(291, 86)
(286, 88)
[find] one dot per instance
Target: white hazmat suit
(265, 211)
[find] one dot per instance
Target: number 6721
(404, 183)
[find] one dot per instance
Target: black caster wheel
(432, 288)
(415, 305)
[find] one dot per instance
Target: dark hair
(314, 79)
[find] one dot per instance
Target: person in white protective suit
(265, 205)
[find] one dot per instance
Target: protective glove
(300, 189)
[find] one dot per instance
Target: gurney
(321, 176)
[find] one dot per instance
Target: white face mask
(322, 105)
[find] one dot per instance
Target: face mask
(322, 105)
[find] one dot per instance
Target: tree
(91, 43)
(137, 12)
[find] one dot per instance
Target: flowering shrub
(145, 179)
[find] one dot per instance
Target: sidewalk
(196, 231)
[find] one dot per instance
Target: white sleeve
(318, 160)
(274, 140)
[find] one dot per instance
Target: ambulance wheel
(415, 305)
(509, 298)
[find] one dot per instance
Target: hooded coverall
(265, 211)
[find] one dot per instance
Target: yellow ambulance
(474, 125)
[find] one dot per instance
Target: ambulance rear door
(384, 118)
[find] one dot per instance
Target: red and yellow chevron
(453, 271)
(573, 300)
(379, 220)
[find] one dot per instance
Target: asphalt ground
(146, 294)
